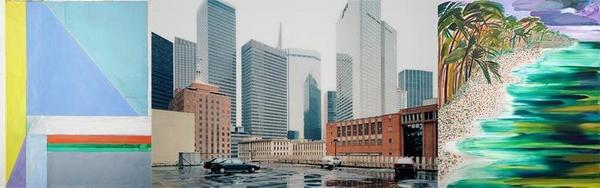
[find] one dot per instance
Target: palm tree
(470, 35)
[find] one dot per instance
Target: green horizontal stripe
(99, 147)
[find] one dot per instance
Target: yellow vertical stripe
(16, 67)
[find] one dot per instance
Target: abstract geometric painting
(76, 95)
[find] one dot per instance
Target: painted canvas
(76, 94)
(519, 93)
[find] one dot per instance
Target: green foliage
(473, 33)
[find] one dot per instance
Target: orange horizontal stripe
(100, 139)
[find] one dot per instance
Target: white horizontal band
(90, 125)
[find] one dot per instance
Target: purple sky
(579, 19)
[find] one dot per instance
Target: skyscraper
(216, 52)
(389, 67)
(303, 64)
(331, 110)
(162, 72)
(312, 109)
(264, 90)
(418, 85)
(359, 36)
(344, 87)
(184, 63)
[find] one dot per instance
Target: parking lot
(275, 175)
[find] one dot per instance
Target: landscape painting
(518, 93)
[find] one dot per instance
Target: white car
(330, 162)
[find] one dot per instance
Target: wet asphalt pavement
(275, 175)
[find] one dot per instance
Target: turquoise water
(551, 134)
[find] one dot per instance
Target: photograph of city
(299, 93)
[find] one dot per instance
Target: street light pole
(335, 140)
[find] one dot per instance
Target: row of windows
(362, 142)
(419, 116)
(360, 129)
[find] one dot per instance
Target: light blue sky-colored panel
(36, 161)
(62, 79)
(114, 35)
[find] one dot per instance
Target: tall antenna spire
(279, 46)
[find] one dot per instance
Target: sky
(579, 19)
(307, 24)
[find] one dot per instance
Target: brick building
(212, 118)
(410, 132)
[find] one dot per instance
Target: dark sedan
(210, 163)
(231, 165)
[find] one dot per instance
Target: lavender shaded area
(17, 179)
(578, 19)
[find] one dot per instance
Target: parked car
(231, 165)
(210, 163)
(330, 162)
(405, 168)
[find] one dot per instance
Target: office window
(338, 132)
(366, 129)
(349, 133)
(360, 130)
(344, 131)
(354, 130)
(379, 128)
(373, 128)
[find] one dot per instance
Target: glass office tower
(312, 109)
(162, 72)
(264, 90)
(418, 85)
(184, 63)
(216, 52)
(358, 32)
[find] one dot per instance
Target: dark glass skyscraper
(216, 48)
(331, 110)
(162, 72)
(312, 109)
(418, 85)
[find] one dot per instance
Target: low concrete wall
(425, 163)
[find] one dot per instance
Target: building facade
(420, 130)
(389, 69)
(308, 149)
(162, 72)
(172, 132)
(411, 132)
(264, 90)
(237, 135)
(344, 87)
(212, 118)
(269, 150)
(264, 150)
(302, 103)
(184, 63)
(358, 32)
(216, 51)
(418, 85)
(312, 109)
(331, 110)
